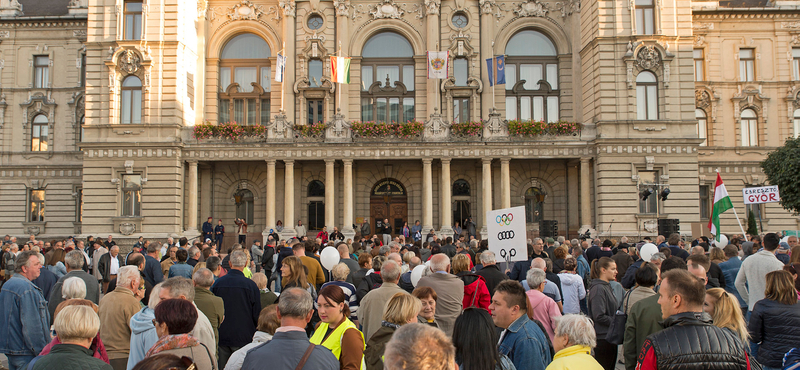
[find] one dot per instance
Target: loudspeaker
(667, 226)
(548, 228)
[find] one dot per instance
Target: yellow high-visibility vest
(334, 341)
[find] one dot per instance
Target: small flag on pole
(438, 64)
(340, 70)
(281, 68)
(496, 67)
(722, 203)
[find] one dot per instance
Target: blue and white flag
(496, 67)
(281, 67)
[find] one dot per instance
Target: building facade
(602, 102)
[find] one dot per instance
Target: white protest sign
(764, 194)
(507, 237)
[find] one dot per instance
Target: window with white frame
(699, 62)
(531, 71)
(388, 58)
(36, 205)
(747, 60)
(646, 96)
(39, 133)
(131, 100)
(41, 71)
(244, 81)
(749, 127)
(131, 195)
(796, 64)
(796, 122)
(133, 20)
(702, 125)
(645, 17)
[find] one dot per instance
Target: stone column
(270, 195)
(505, 183)
(288, 200)
(487, 193)
(347, 222)
(343, 9)
(586, 206)
(330, 181)
(447, 201)
(191, 224)
(487, 7)
(433, 29)
(427, 196)
(289, 33)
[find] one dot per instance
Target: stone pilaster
(288, 202)
(505, 183)
(347, 222)
(427, 196)
(330, 206)
(447, 201)
(191, 224)
(487, 193)
(270, 195)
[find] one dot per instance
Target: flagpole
(283, 78)
(340, 84)
(735, 214)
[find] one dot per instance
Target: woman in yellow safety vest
(336, 332)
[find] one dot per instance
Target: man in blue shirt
(522, 340)
(730, 269)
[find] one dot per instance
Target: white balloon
(329, 257)
(785, 239)
(647, 251)
(416, 274)
(723, 241)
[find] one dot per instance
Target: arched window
(244, 205)
(531, 77)
(316, 205)
(39, 133)
(316, 111)
(244, 81)
(131, 103)
(387, 79)
(702, 125)
(534, 204)
(461, 188)
(646, 96)
(796, 122)
(749, 127)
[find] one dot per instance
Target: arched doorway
(388, 199)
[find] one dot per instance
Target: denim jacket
(26, 326)
(526, 345)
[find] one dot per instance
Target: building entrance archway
(388, 199)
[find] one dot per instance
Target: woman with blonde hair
(401, 309)
(77, 327)
(293, 274)
(99, 350)
(725, 312)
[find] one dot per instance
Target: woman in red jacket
(476, 293)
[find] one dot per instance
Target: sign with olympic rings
(507, 236)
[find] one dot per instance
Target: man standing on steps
(219, 233)
(242, 230)
(208, 230)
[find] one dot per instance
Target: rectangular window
(747, 61)
(645, 17)
(460, 110)
(264, 111)
(460, 71)
(531, 73)
(190, 89)
(316, 215)
(83, 70)
(699, 62)
(511, 76)
(408, 77)
(224, 111)
(408, 109)
(133, 20)
(796, 64)
(552, 76)
(511, 108)
(131, 195)
(387, 75)
(36, 206)
(315, 73)
(705, 206)
(366, 79)
(647, 101)
(245, 76)
(648, 181)
(224, 78)
(315, 111)
(266, 81)
(552, 109)
(366, 109)
(758, 213)
(41, 71)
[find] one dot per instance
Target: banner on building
(281, 68)
(340, 70)
(507, 236)
(496, 67)
(438, 64)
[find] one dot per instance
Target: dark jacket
(629, 279)
(152, 270)
(373, 354)
(242, 306)
(282, 253)
(405, 282)
(623, 261)
(357, 276)
(690, 341)
(370, 282)
(715, 272)
(92, 290)
(266, 260)
(46, 281)
(208, 230)
(677, 251)
(449, 250)
(602, 306)
(104, 266)
(520, 270)
(284, 352)
(492, 275)
(777, 327)
(70, 357)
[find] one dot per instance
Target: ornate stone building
(158, 72)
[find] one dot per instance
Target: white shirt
(114, 265)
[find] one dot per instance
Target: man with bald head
(449, 289)
(109, 265)
(373, 305)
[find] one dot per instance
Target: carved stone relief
(531, 8)
(127, 228)
(386, 9)
(433, 6)
(648, 58)
(289, 7)
(702, 99)
(129, 61)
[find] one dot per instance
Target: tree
(782, 168)
(752, 228)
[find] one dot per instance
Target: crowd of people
(573, 304)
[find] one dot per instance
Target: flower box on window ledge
(531, 128)
(310, 133)
(404, 131)
(229, 132)
(467, 131)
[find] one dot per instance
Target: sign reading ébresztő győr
(507, 236)
(764, 194)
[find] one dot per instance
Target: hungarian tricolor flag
(340, 70)
(722, 203)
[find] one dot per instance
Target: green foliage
(752, 227)
(782, 168)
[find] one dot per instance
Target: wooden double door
(388, 200)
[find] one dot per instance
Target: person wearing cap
(208, 230)
(219, 233)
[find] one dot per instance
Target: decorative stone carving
(342, 7)
(493, 8)
(433, 6)
(496, 128)
(437, 129)
(3, 106)
(245, 10)
(699, 40)
(127, 228)
(386, 9)
(702, 99)
(279, 128)
(789, 25)
(289, 7)
(339, 129)
(648, 58)
(33, 230)
(650, 226)
(531, 8)
(129, 61)
(703, 26)
(568, 7)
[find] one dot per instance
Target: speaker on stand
(548, 228)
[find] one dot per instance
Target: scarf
(389, 325)
(168, 342)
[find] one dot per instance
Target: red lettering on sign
(772, 197)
